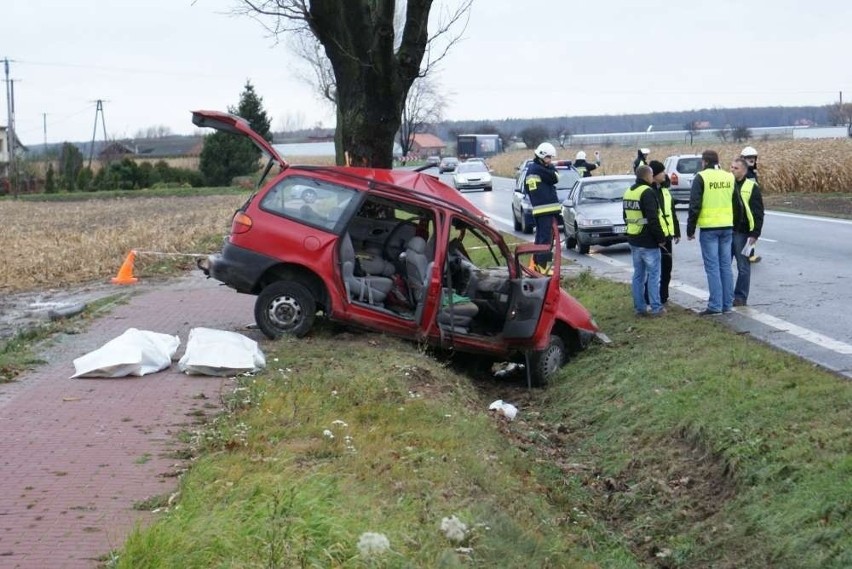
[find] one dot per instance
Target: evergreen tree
(70, 164)
(50, 180)
(224, 155)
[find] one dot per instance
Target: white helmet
(749, 151)
(580, 156)
(545, 149)
(645, 150)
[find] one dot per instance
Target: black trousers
(665, 272)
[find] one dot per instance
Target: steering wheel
(397, 239)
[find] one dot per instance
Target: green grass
(681, 444)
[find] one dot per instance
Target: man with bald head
(641, 212)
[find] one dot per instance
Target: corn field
(54, 244)
(785, 166)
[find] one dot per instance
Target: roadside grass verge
(346, 434)
(680, 445)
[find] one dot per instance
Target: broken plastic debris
(506, 409)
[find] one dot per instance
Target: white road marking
(810, 217)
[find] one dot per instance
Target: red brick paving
(76, 454)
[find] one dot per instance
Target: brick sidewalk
(76, 454)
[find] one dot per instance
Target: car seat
(365, 288)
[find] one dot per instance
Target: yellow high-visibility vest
(633, 210)
(666, 217)
(717, 207)
(745, 193)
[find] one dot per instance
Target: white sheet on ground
(221, 353)
(135, 352)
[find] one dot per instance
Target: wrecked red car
(393, 251)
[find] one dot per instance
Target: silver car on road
(592, 212)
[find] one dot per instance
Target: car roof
(610, 178)
(679, 156)
(401, 181)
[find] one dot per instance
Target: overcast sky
(153, 61)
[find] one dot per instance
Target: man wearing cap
(641, 212)
(711, 209)
(669, 224)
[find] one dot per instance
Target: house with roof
(425, 144)
(5, 158)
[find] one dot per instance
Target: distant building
(5, 160)
(425, 144)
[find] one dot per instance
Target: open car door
(534, 299)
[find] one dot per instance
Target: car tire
(488, 188)
(582, 248)
(528, 229)
(516, 221)
(544, 364)
(285, 307)
(570, 242)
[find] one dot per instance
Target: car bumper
(603, 235)
(472, 185)
(236, 267)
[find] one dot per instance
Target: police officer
(583, 167)
(749, 154)
(641, 158)
(711, 209)
(540, 184)
(641, 212)
(748, 223)
(669, 224)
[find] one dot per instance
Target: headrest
(417, 245)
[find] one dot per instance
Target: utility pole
(99, 109)
(10, 128)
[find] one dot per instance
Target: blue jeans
(743, 267)
(544, 236)
(646, 269)
(716, 252)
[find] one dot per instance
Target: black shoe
(739, 302)
(708, 312)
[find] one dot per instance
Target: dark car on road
(593, 212)
(393, 251)
(522, 216)
(448, 164)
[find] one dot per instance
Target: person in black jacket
(748, 223)
(540, 185)
(641, 158)
(583, 167)
(669, 224)
(749, 154)
(641, 212)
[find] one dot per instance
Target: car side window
(309, 201)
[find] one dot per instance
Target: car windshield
(468, 167)
(607, 191)
(689, 165)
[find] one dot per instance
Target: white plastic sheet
(221, 353)
(135, 352)
(506, 409)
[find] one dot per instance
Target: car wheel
(516, 221)
(285, 307)
(524, 227)
(582, 248)
(546, 363)
(488, 188)
(570, 242)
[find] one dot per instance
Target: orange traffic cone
(125, 273)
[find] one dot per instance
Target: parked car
(448, 164)
(681, 169)
(593, 212)
(392, 251)
(433, 160)
(522, 216)
(472, 175)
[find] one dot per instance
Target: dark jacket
(755, 202)
(652, 234)
(752, 173)
(585, 167)
(696, 201)
(640, 160)
(659, 192)
(540, 183)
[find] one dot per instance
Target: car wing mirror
(568, 203)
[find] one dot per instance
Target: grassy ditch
(680, 445)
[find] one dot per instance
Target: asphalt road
(801, 291)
